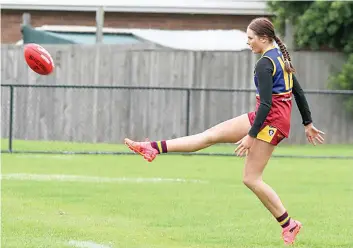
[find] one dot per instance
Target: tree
(281, 11)
(321, 24)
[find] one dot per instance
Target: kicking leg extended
(230, 131)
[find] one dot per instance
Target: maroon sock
(284, 220)
(160, 146)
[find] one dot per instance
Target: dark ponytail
(263, 27)
(287, 60)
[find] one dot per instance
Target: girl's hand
(244, 145)
(312, 134)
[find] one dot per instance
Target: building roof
(234, 7)
(205, 40)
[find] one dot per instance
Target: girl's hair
(263, 27)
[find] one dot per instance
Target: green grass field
(175, 202)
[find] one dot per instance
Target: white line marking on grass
(63, 157)
(74, 178)
(86, 244)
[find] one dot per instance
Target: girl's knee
(251, 181)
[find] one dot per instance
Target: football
(38, 59)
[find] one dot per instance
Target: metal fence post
(11, 118)
(187, 112)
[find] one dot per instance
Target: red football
(38, 59)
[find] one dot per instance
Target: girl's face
(257, 44)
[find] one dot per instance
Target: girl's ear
(263, 39)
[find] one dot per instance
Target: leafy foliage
(326, 23)
(281, 11)
(344, 81)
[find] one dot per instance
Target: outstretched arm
(311, 132)
(302, 103)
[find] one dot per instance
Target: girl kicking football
(258, 132)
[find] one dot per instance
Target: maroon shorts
(268, 133)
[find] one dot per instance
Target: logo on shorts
(271, 132)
